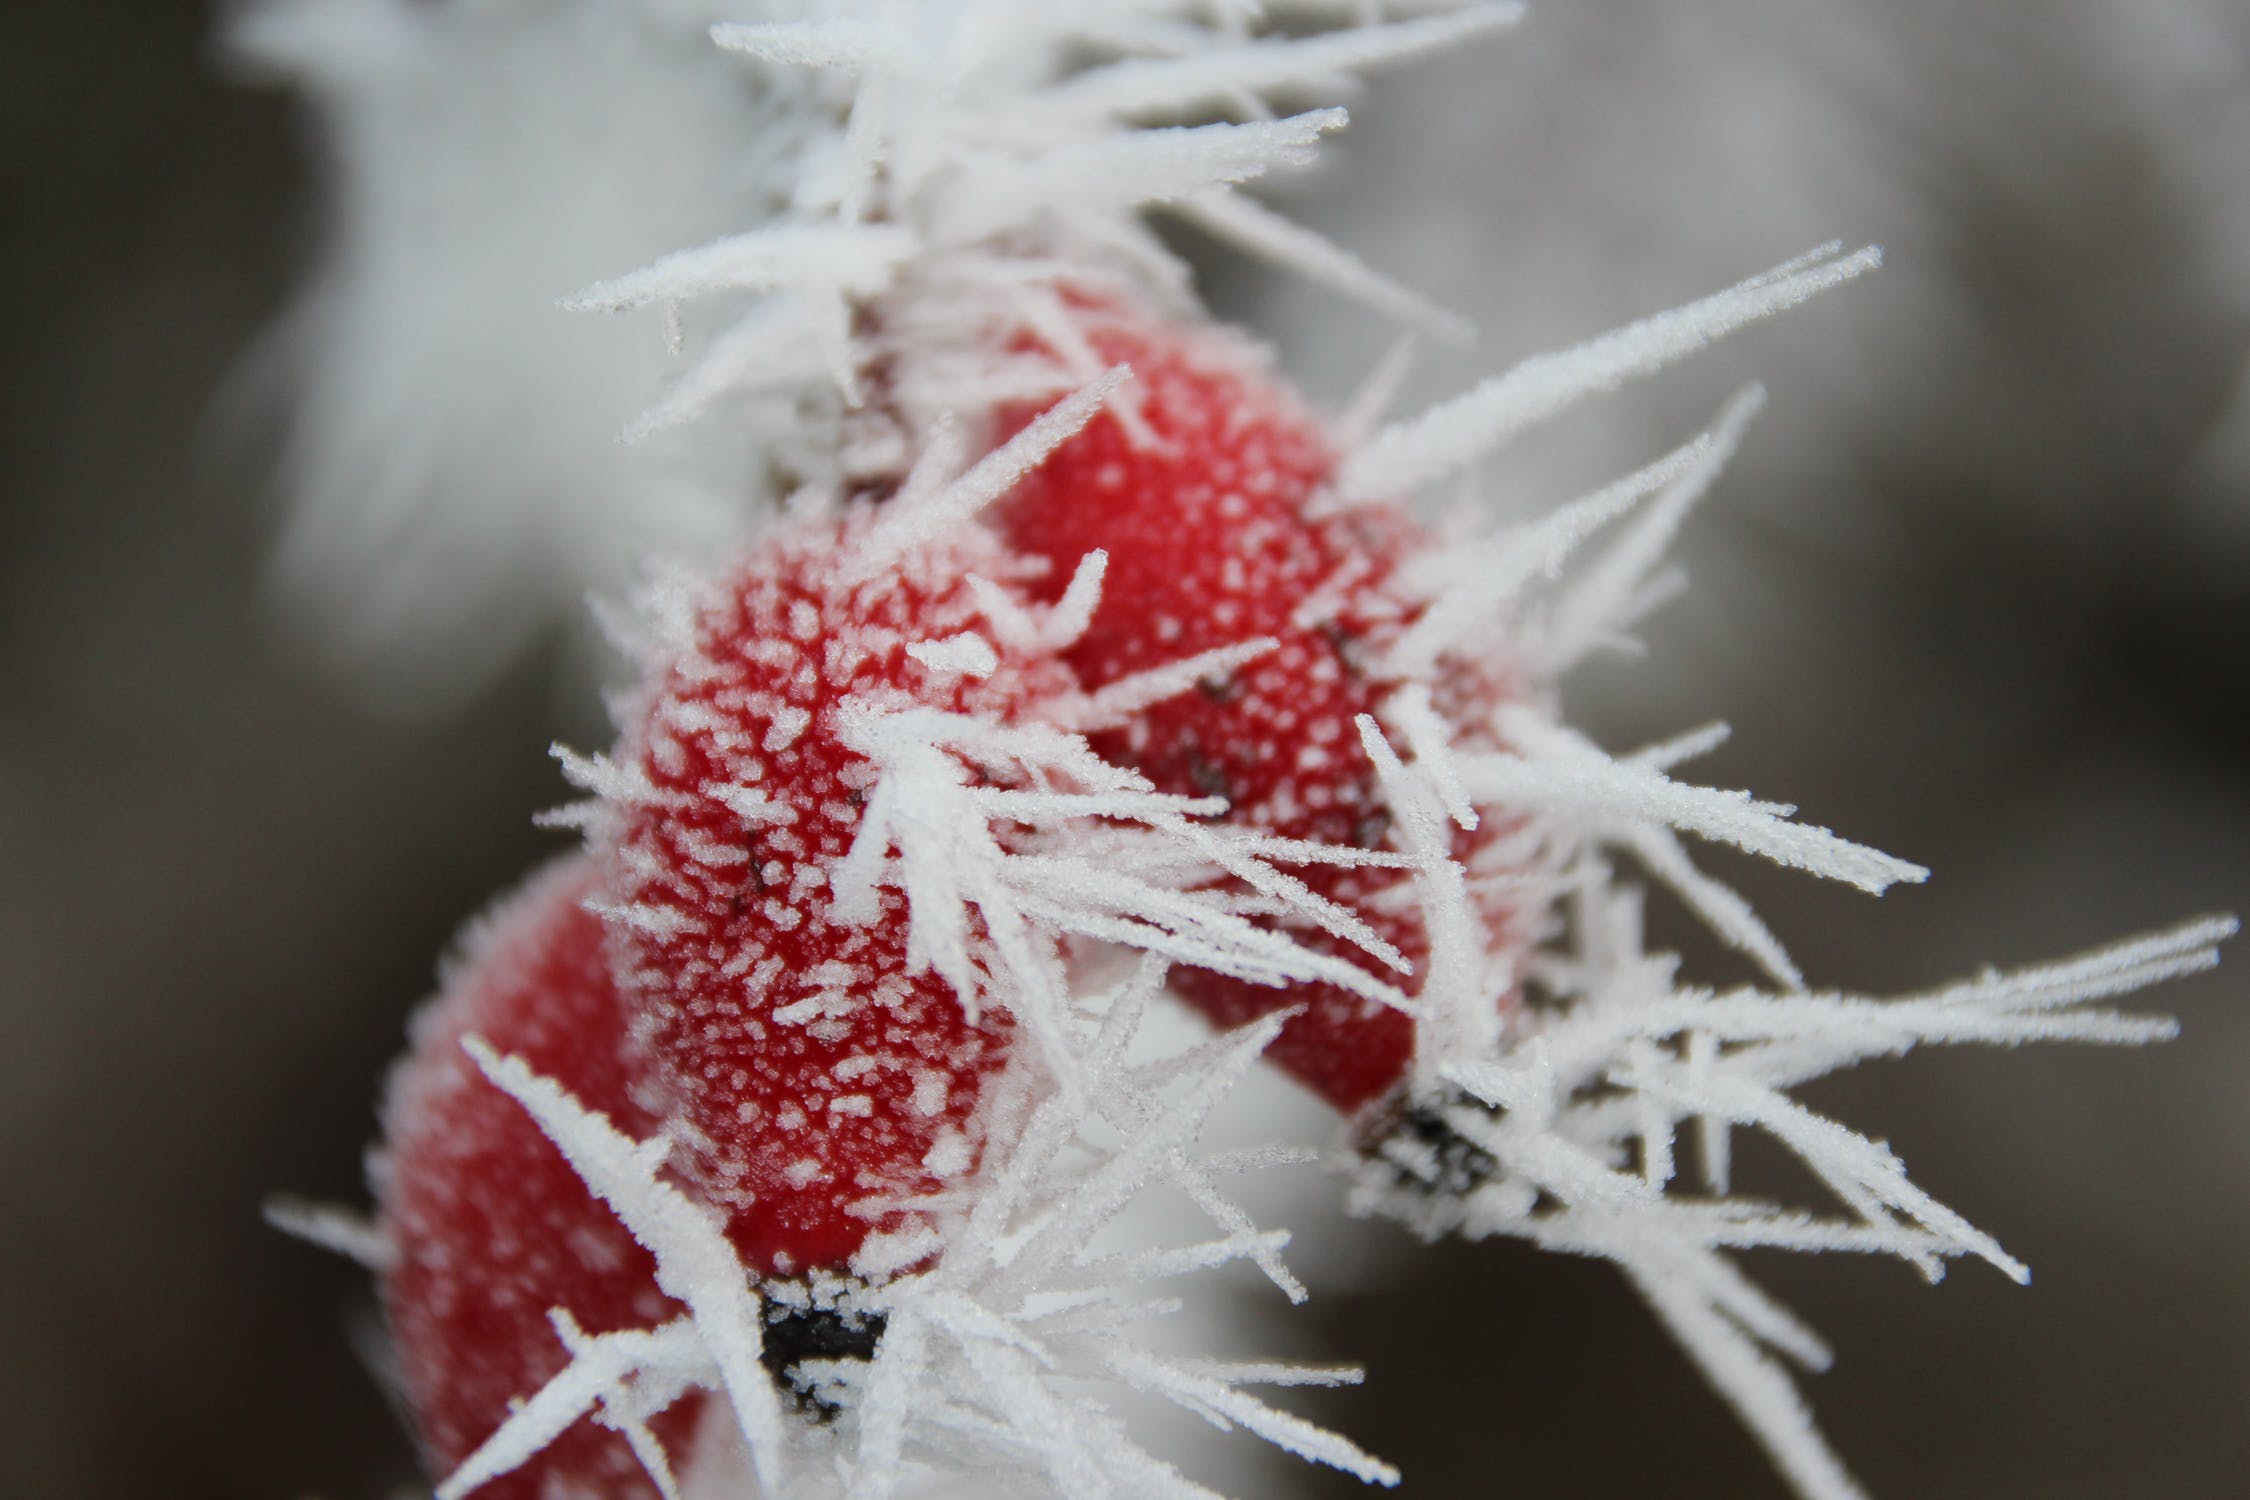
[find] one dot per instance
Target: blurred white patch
(451, 469)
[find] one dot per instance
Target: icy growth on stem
(984, 162)
(1566, 1137)
(992, 1359)
(452, 480)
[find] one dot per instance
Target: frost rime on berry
(488, 1229)
(1199, 502)
(815, 1064)
(821, 1015)
(1214, 497)
(996, 1359)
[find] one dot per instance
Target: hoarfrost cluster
(1029, 656)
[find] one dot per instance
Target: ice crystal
(991, 1361)
(1569, 1132)
(1134, 883)
(979, 172)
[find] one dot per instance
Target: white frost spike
(342, 1231)
(1718, 905)
(780, 347)
(1139, 167)
(1460, 1010)
(1060, 627)
(847, 259)
(1115, 703)
(1377, 390)
(1759, 1389)
(965, 655)
(1561, 774)
(1219, 77)
(694, 1263)
(1607, 597)
(1470, 585)
(595, 1382)
(850, 44)
(1407, 457)
(628, 1400)
(923, 512)
(1074, 611)
(1249, 225)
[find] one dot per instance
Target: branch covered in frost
(977, 162)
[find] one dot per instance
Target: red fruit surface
(1209, 545)
(492, 1227)
(814, 1069)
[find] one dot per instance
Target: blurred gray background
(1977, 594)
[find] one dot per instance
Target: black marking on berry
(1345, 643)
(1425, 1153)
(794, 1335)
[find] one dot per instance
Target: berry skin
(812, 1068)
(491, 1226)
(1209, 545)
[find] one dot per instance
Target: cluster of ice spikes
(778, 1143)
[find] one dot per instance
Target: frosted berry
(1204, 517)
(491, 1226)
(814, 1070)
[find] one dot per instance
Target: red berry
(814, 1067)
(1204, 517)
(491, 1226)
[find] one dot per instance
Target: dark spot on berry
(1221, 689)
(1426, 1154)
(1207, 777)
(1345, 643)
(794, 1335)
(1371, 827)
